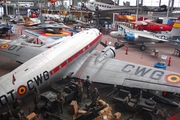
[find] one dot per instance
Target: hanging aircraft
(162, 8)
(135, 36)
(151, 26)
(103, 7)
(77, 54)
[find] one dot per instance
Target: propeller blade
(120, 46)
(103, 44)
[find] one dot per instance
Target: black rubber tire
(147, 116)
(119, 107)
(163, 37)
(149, 102)
(142, 47)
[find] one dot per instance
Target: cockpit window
(91, 3)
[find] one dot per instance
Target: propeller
(116, 46)
(103, 44)
(120, 46)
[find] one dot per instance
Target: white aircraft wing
(140, 23)
(117, 72)
(149, 37)
(20, 53)
(116, 9)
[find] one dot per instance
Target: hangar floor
(134, 55)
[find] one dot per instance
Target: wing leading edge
(19, 53)
(113, 71)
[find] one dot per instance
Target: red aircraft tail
(177, 23)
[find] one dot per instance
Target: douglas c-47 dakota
(77, 54)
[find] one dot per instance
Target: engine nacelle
(97, 8)
(130, 37)
(108, 52)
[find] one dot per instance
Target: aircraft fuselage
(49, 66)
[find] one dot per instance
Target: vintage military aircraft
(17, 19)
(31, 21)
(42, 42)
(162, 8)
(53, 28)
(152, 26)
(135, 36)
(103, 7)
(77, 54)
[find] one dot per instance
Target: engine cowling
(97, 8)
(107, 52)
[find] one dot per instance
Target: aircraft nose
(113, 34)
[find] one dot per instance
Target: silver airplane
(134, 36)
(41, 41)
(103, 7)
(77, 54)
(53, 28)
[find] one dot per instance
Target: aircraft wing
(113, 71)
(140, 23)
(116, 9)
(149, 37)
(20, 53)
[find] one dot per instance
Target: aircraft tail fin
(176, 27)
(41, 19)
(27, 20)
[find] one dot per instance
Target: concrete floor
(134, 56)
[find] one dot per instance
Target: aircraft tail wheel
(142, 47)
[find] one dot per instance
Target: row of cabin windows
(68, 60)
(102, 6)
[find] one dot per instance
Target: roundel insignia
(4, 46)
(22, 90)
(173, 78)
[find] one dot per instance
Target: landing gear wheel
(149, 102)
(7, 33)
(119, 107)
(147, 116)
(142, 47)
(163, 37)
